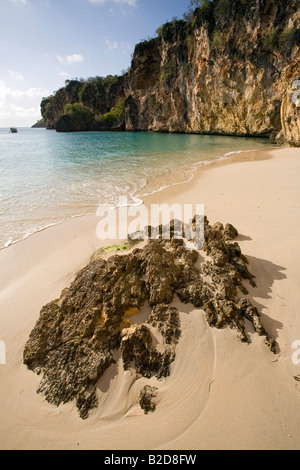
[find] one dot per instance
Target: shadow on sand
(266, 273)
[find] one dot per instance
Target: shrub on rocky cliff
(201, 5)
(218, 40)
(116, 113)
(113, 120)
(268, 39)
(77, 117)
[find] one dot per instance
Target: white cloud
(70, 59)
(29, 94)
(126, 46)
(123, 46)
(111, 45)
(63, 74)
(19, 111)
(75, 58)
(21, 107)
(25, 2)
(16, 75)
(131, 3)
(2, 94)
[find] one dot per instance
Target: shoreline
(253, 402)
(191, 169)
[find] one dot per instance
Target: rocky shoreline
(73, 341)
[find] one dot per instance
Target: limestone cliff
(227, 71)
(233, 69)
(290, 114)
(85, 105)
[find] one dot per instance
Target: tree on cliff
(77, 117)
(188, 15)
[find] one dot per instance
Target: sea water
(48, 177)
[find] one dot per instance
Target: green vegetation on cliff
(76, 117)
(115, 117)
(82, 104)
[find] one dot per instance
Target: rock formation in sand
(73, 341)
(147, 398)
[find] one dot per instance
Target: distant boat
(13, 130)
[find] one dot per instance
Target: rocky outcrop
(76, 118)
(74, 340)
(85, 105)
(137, 343)
(147, 398)
(39, 124)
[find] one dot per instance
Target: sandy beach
(221, 394)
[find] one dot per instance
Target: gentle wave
(49, 178)
(191, 170)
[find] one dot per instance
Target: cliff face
(290, 115)
(96, 96)
(228, 71)
(233, 69)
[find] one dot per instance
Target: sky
(45, 42)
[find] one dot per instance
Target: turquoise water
(47, 177)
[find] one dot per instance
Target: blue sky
(45, 42)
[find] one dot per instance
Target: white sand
(221, 394)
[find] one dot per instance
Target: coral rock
(74, 340)
(147, 398)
